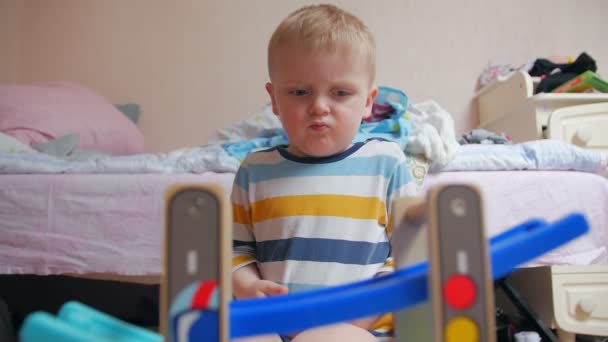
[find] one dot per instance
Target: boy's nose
(319, 106)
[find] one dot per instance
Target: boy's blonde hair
(324, 27)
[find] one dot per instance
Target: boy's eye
(341, 93)
(299, 92)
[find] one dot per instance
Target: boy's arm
(246, 279)
(400, 184)
(242, 280)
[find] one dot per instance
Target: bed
(95, 238)
(86, 224)
(96, 222)
(109, 227)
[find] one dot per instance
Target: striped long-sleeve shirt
(310, 223)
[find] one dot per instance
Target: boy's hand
(246, 283)
(264, 288)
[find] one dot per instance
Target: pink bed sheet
(104, 223)
(113, 224)
(511, 197)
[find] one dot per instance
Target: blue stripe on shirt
(242, 178)
(239, 243)
(361, 166)
(323, 250)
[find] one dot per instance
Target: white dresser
(510, 106)
(571, 299)
(577, 300)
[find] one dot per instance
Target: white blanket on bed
(211, 158)
(533, 155)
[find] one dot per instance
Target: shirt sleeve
(243, 240)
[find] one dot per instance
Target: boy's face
(320, 98)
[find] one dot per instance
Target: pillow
(9, 144)
(41, 112)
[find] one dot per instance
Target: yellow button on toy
(461, 329)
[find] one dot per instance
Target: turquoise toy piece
(78, 322)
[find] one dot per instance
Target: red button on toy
(459, 291)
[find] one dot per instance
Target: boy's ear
(270, 91)
(369, 102)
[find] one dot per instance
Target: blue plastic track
(397, 291)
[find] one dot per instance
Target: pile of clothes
(553, 71)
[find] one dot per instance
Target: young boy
(314, 213)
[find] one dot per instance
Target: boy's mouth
(318, 126)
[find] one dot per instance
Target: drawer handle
(587, 304)
(583, 134)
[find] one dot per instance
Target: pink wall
(10, 19)
(195, 66)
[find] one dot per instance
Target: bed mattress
(113, 224)
(87, 223)
(510, 197)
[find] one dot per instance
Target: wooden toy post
(198, 247)
(461, 298)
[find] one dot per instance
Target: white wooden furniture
(510, 106)
(572, 299)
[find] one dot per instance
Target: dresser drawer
(580, 298)
(584, 125)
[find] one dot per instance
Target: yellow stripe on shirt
(357, 207)
(389, 227)
(383, 323)
(242, 259)
(240, 214)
